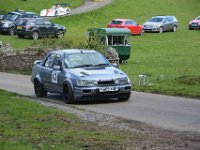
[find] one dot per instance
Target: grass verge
(27, 125)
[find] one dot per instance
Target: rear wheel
(35, 35)
(11, 31)
(68, 94)
(39, 89)
(59, 34)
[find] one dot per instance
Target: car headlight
(86, 83)
(6, 25)
(156, 26)
(122, 81)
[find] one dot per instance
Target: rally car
(79, 74)
(56, 10)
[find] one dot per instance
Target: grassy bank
(170, 60)
(27, 125)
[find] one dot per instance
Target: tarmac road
(164, 111)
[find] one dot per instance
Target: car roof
(118, 19)
(22, 13)
(72, 51)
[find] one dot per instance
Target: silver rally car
(79, 74)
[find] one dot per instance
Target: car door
(132, 26)
(165, 24)
(57, 76)
(46, 72)
(40, 26)
(50, 28)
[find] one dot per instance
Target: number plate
(108, 89)
(19, 27)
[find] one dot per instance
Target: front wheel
(39, 89)
(174, 29)
(11, 31)
(68, 94)
(124, 97)
(161, 30)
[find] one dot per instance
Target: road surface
(164, 111)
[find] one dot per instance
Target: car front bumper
(97, 93)
(3, 29)
(194, 26)
(151, 29)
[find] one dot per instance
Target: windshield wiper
(102, 64)
(85, 65)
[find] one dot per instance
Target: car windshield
(116, 22)
(156, 19)
(198, 18)
(82, 59)
(10, 17)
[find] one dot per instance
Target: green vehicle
(117, 38)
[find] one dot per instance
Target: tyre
(161, 30)
(174, 29)
(11, 31)
(124, 97)
(20, 36)
(39, 89)
(59, 34)
(142, 32)
(68, 94)
(35, 35)
(56, 13)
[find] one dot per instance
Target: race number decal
(54, 77)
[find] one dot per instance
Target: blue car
(79, 74)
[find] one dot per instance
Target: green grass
(170, 55)
(27, 125)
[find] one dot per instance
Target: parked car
(79, 74)
(161, 24)
(56, 10)
(132, 25)
(194, 24)
(8, 23)
(38, 27)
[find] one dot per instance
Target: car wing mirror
(57, 67)
(115, 65)
(37, 62)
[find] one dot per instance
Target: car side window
(47, 23)
(39, 22)
(49, 61)
(57, 61)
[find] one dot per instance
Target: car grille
(103, 83)
(194, 24)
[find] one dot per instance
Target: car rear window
(116, 22)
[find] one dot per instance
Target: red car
(127, 23)
(194, 24)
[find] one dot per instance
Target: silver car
(79, 74)
(161, 24)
